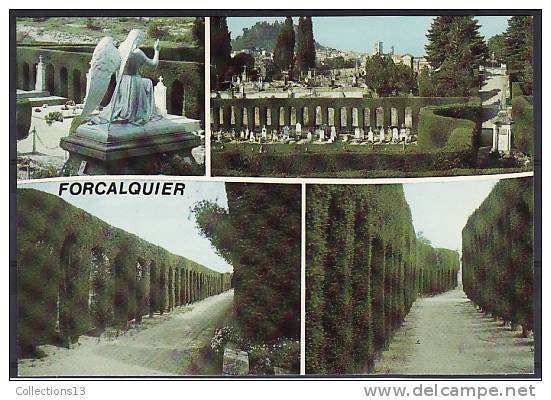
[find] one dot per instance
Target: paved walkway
(172, 344)
(446, 335)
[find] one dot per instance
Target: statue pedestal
(130, 149)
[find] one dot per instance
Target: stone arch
(154, 284)
(177, 98)
(63, 82)
(331, 116)
(170, 287)
(344, 117)
(305, 116)
(367, 117)
(319, 117)
(50, 79)
(77, 86)
(408, 117)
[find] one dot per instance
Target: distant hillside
(262, 35)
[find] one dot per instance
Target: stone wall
(66, 76)
(343, 113)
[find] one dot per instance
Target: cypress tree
(285, 45)
(306, 51)
(220, 47)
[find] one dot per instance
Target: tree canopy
(285, 46)
(306, 48)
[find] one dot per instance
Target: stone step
(49, 100)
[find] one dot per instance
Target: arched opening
(142, 289)
(177, 98)
(100, 294)
(171, 290)
(153, 288)
(378, 292)
(50, 79)
(26, 76)
(63, 82)
(77, 91)
(73, 291)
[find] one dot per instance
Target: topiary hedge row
(77, 275)
(498, 270)
(244, 162)
(451, 127)
(364, 269)
(523, 123)
(260, 235)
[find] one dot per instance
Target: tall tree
(455, 50)
(285, 45)
(220, 50)
(497, 47)
(198, 31)
(306, 50)
(519, 43)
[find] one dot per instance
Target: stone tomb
(95, 150)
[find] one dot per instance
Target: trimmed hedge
(76, 274)
(523, 123)
(364, 269)
(260, 236)
(23, 113)
(498, 269)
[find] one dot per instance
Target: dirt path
(172, 344)
(491, 97)
(446, 335)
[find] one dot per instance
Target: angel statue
(133, 100)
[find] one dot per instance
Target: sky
(440, 210)
(163, 220)
(405, 33)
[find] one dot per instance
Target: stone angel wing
(106, 60)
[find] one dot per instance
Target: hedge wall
(260, 236)
(77, 275)
(523, 123)
(451, 127)
(498, 270)
(364, 269)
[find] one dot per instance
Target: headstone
(344, 118)
(264, 132)
(394, 116)
(331, 116)
(357, 133)
(395, 136)
(333, 133)
(319, 119)
(286, 132)
(370, 135)
(40, 84)
(159, 93)
(298, 128)
(403, 134)
(321, 135)
(235, 362)
(380, 116)
(309, 136)
(242, 134)
(367, 117)
(382, 134)
(408, 120)
(274, 135)
(251, 135)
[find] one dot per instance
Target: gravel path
(171, 344)
(446, 335)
